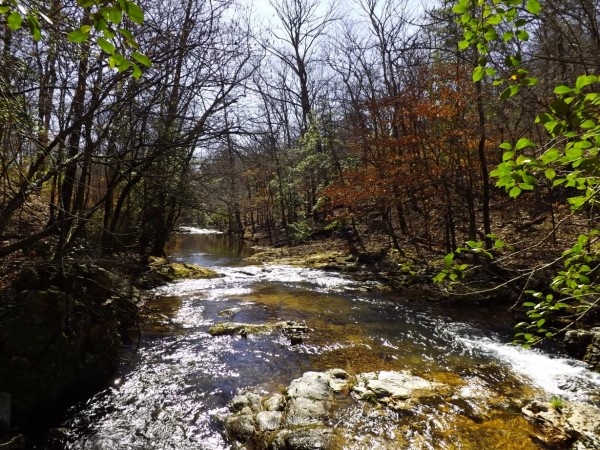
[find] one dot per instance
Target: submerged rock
(229, 312)
(289, 328)
(569, 425)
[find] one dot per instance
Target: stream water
(180, 380)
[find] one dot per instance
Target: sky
(262, 7)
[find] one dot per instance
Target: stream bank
(63, 335)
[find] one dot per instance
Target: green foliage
(568, 159)
(106, 16)
(485, 24)
(557, 403)
(454, 271)
(299, 231)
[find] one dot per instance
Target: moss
(172, 271)
(242, 329)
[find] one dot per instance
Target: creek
(180, 380)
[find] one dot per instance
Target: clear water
(171, 395)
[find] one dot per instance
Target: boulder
(570, 425)
(301, 418)
(303, 439)
(162, 271)
(268, 420)
(397, 390)
(585, 345)
(288, 328)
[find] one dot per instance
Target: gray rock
(312, 385)
(386, 385)
(303, 439)
(303, 411)
(576, 342)
(585, 345)
(268, 420)
(274, 403)
(575, 424)
(300, 420)
(241, 428)
(239, 402)
(229, 312)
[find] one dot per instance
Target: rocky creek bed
(311, 412)
(283, 357)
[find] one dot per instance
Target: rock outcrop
(396, 390)
(573, 425)
(162, 271)
(300, 419)
(585, 345)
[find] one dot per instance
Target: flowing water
(172, 393)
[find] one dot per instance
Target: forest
(438, 160)
(465, 129)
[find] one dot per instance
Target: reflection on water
(175, 391)
(209, 249)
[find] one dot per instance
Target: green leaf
(135, 13)
(514, 192)
(125, 33)
(439, 277)
(507, 36)
(478, 73)
(550, 173)
(137, 72)
(524, 143)
(494, 19)
(533, 6)
(460, 8)
(142, 59)
(562, 89)
(588, 124)
(507, 156)
(34, 26)
(78, 36)
(105, 45)
(490, 35)
(523, 35)
(585, 80)
(115, 15)
(506, 146)
(463, 45)
(14, 21)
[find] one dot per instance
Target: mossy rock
(172, 271)
(245, 329)
(242, 329)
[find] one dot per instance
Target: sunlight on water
(177, 387)
(194, 230)
(563, 377)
